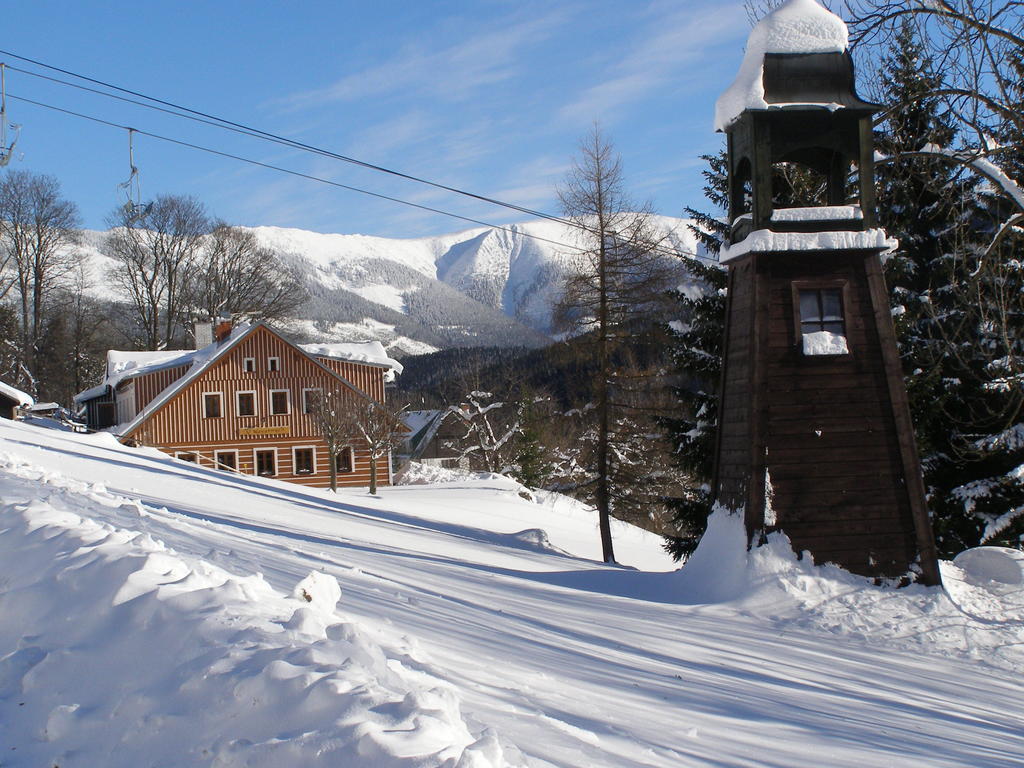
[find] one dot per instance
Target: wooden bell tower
(815, 437)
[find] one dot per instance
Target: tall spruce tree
(697, 355)
(957, 302)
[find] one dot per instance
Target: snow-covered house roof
(122, 364)
(126, 364)
(15, 394)
(797, 26)
(369, 352)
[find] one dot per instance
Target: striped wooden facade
(181, 428)
(368, 377)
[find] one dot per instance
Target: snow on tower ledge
(798, 26)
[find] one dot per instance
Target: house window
(304, 461)
(266, 464)
(273, 363)
(279, 402)
(212, 405)
(310, 399)
(249, 364)
(226, 460)
(245, 403)
(822, 323)
(188, 456)
(344, 461)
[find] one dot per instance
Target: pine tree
(697, 354)
(957, 312)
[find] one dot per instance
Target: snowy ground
(155, 613)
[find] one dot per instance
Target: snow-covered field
(157, 614)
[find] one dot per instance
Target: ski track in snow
(153, 610)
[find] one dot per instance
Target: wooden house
(815, 437)
(431, 435)
(242, 404)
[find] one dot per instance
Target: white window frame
(296, 448)
(305, 400)
(353, 463)
(256, 462)
(255, 403)
(840, 285)
(274, 364)
(216, 461)
(219, 395)
(270, 402)
(249, 365)
(179, 455)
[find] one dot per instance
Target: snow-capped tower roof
(796, 27)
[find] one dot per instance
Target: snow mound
(418, 473)
(535, 539)
(977, 615)
(983, 565)
(160, 655)
(798, 26)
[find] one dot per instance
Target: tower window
(821, 321)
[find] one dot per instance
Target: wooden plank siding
(149, 385)
(181, 426)
(822, 427)
(368, 378)
(732, 476)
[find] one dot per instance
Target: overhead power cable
(289, 171)
(177, 110)
(256, 132)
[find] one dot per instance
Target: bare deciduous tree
(346, 418)
(619, 275)
(37, 229)
(237, 275)
(154, 257)
(490, 428)
(381, 429)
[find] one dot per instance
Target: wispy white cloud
(673, 41)
(453, 73)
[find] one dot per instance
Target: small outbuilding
(12, 400)
(815, 436)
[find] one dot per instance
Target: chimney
(222, 330)
(204, 335)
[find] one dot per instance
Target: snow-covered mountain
(483, 286)
(479, 286)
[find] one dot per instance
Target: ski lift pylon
(6, 150)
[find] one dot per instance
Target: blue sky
(491, 96)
